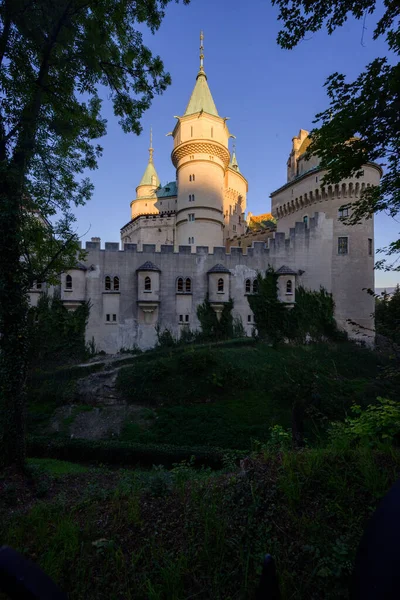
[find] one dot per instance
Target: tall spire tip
(201, 52)
(151, 149)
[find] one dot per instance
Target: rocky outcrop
(99, 389)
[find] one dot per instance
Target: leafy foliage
(213, 328)
(57, 335)
(269, 312)
(387, 315)
(54, 59)
(361, 125)
(312, 317)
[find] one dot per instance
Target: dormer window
(289, 287)
(68, 282)
(147, 284)
(220, 285)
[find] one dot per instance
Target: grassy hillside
(228, 396)
(179, 534)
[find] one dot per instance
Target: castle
(189, 240)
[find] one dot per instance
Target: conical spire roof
(150, 171)
(233, 162)
(201, 98)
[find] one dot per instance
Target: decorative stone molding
(211, 148)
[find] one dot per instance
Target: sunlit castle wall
(351, 253)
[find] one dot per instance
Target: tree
(55, 56)
(362, 123)
(387, 315)
(269, 313)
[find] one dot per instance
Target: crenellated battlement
(347, 192)
(298, 234)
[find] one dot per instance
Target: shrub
(378, 423)
(212, 328)
(122, 453)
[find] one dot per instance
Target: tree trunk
(13, 341)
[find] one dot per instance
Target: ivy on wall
(211, 327)
(57, 335)
(311, 317)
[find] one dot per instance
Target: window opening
(68, 282)
(248, 286)
(255, 286)
(188, 285)
(147, 284)
(343, 245)
(116, 284)
(220, 284)
(289, 287)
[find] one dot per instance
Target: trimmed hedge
(122, 453)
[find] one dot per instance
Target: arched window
(248, 286)
(107, 283)
(188, 285)
(212, 131)
(305, 220)
(190, 178)
(220, 284)
(289, 287)
(116, 284)
(193, 178)
(147, 284)
(68, 282)
(179, 284)
(255, 286)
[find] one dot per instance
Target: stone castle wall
(307, 250)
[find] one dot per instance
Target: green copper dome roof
(148, 175)
(201, 98)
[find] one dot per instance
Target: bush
(123, 453)
(378, 423)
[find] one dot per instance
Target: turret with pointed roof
(150, 180)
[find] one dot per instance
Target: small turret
(150, 180)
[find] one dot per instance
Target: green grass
(228, 396)
(195, 534)
(56, 468)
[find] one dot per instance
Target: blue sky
(268, 93)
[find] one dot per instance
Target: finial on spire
(201, 52)
(234, 147)
(151, 149)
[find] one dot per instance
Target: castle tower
(146, 190)
(201, 158)
(236, 187)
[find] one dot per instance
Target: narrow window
(191, 131)
(68, 282)
(190, 178)
(192, 197)
(107, 317)
(179, 284)
(370, 247)
(248, 286)
(212, 131)
(108, 283)
(147, 284)
(343, 245)
(180, 318)
(343, 212)
(305, 220)
(188, 285)
(249, 318)
(289, 287)
(234, 228)
(316, 180)
(116, 284)
(187, 318)
(255, 286)
(220, 284)
(114, 318)
(193, 178)
(191, 217)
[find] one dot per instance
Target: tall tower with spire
(201, 158)
(146, 190)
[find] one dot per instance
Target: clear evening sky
(268, 93)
